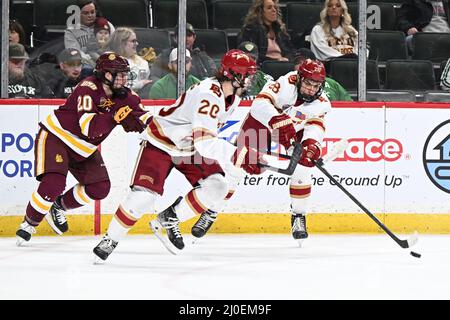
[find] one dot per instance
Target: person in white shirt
(184, 136)
(124, 42)
(292, 108)
(334, 36)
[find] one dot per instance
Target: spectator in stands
(69, 72)
(333, 89)
(17, 35)
(166, 87)
(78, 38)
(23, 83)
(102, 32)
(334, 36)
(203, 66)
(124, 42)
(423, 16)
(264, 26)
(445, 77)
(259, 79)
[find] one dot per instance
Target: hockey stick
(402, 243)
(337, 149)
(294, 158)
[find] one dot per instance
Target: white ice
(228, 267)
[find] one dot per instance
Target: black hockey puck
(415, 254)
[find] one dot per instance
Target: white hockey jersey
(191, 123)
(282, 96)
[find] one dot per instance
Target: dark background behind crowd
(53, 46)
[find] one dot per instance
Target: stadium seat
(228, 14)
(50, 18)
(165, 13)
(385, 45)
(301, 17)
(432, 46)
(410, 75)
(158, 39)
(277, 68)
(437, 96)
(126, 13)
(214, 42)
(345, 71)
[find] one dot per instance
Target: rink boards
(397, 164)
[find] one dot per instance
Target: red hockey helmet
(111, 62)
(236, 65)
(312, 69)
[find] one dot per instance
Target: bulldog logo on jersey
(59, 158)
(436, 156)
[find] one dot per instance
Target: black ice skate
(298, 227)
(105, 247)
(56, 218)
(24, 233)
(168, 221)
(204, 223)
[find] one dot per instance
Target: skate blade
(157, 229)
(98, 260)
(300, 243)
(49, 219)
(20, 241)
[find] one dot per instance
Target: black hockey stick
(402, 243)
(337, 149)
(294, 158)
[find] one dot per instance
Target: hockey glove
(129, 121)
(282, 130)
(248, 159)
(311, 151)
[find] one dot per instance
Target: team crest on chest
(106, 104)
(59, 158)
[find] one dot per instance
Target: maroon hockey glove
(248, 159)
(129, 121)
(311, 151)
(282, 130)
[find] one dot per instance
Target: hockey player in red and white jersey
(290, 109)
(68, 139)
(184, 136)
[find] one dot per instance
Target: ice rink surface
(256, 267)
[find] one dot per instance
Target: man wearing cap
(69, 72)
(166, 87)
(203, 66)
(260, 78)
(24, 83)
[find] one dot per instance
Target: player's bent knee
(52, 185)
(218, 185)
(98, 190)
(139, 201)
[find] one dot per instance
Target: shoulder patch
(89, 84)
(292, 79)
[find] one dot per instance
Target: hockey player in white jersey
(184, 136)
(291, 108)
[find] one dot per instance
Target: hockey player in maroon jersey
(68, 139)
(184, 136)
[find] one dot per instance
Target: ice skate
(298, 228)
(204, 223)
(56, 218)
(168, 221)
(104, 248)
(24, 233)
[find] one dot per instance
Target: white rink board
(407, 127)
